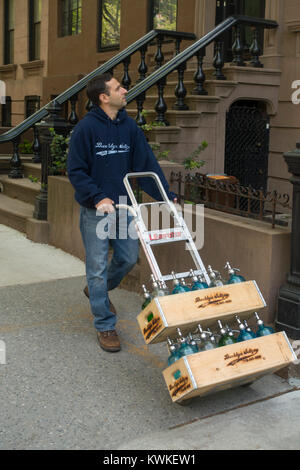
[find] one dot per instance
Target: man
(104, 147)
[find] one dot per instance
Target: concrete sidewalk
(61, 391)
(272, 424)
(25, 262)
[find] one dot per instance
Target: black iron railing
(225, 194)
(140, 45)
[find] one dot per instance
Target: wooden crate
(229, 366)
(164, 315)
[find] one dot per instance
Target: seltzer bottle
(233, 276)
(147, 297)
(225, 339)
(244, 334)
(262, 329)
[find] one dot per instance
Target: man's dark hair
(98, 85)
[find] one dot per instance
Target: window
(6, 112)
(110, 20)
(35, 7)
(9, 25)
(163, 14)
(70, 17)
(32, 105)
(254, 8)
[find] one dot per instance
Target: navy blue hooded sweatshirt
(102, 151)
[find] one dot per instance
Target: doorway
(247, 143)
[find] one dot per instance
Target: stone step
(32, 169)
(21, 189)
(14, 213)
(5, 162)
(200, 103)
(175, 118)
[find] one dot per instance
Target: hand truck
(180, 232)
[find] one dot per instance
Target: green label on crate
(153, 326)
(150, 317)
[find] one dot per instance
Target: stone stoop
(17, 203)
(5, 162)
(205, 119)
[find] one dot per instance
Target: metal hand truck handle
(183, 233)
(150, 174)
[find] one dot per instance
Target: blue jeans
(99, 232)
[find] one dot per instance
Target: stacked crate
(217, 369)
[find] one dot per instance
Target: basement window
(6, 112)
(32, 105)
(109, 24)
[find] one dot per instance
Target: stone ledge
(34, 64)
(38, 230)
(8, 71)
(33, 67)
(293, 26)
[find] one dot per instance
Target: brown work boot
(109, 340)
(86, 292)
(111, 306)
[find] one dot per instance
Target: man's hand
(106, 205)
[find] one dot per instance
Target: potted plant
(59, 152)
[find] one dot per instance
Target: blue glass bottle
(186, 288)
(249, 329)
(234, 278)
(244, 334)
(202, 281)
(185, 349)
(178, 288)
(262, 329)
(197, 285)
(174, 352)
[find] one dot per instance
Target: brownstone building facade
(47, 45)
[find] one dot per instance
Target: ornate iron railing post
(73, 118)
(61, 126)
(36, 146)
(199, 76)
(255, 50)
(237, 48)
(15, 162)
(218, 61)
(288, 312)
